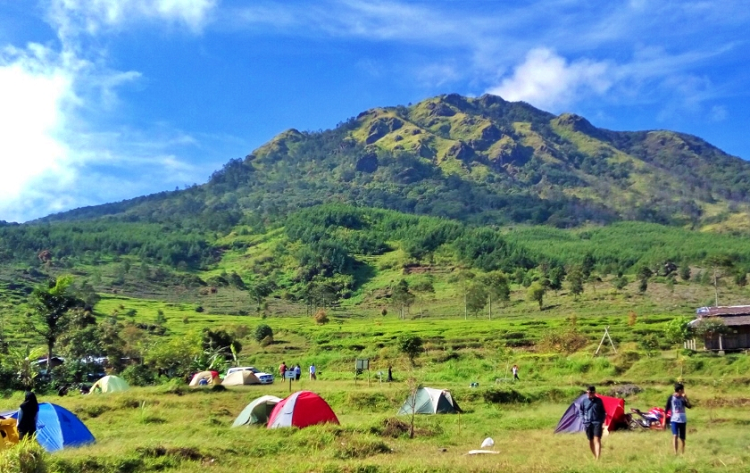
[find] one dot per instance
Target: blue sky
(103, 100)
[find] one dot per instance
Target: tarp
(257, 412)
(109, 384)
(430, 401)
(211, 377)
(301, 409)
(58, 428)
(240, 378)
(572, 421)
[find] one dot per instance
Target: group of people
(593, 414)
(283, 368)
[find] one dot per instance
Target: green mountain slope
(482, 160)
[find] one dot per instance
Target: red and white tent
(301, 409)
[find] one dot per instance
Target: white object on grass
(488, 443)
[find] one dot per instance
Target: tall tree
(476, 297)
(575, 280)
(536, 293)
(719, 265)
(402, 297)
(50, 306)
(497, 286)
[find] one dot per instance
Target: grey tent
(257, 412)
(430, 401)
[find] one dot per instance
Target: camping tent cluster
(305, 408)
(301, 409)
(572, 420)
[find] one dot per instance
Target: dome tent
(257, 412)
(430, 401)
(58, 428)
(572, 420)
(109, 384)
(301, 409)
(211, 377)
(240, 378)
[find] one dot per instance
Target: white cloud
(546, 80)
(76, 16)
(50, 143)
(35, 90)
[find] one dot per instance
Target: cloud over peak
(548, 81)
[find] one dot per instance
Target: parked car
(264, 378)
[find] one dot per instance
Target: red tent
(301, 409)
(615, 409)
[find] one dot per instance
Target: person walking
(515, 372)
(593, 413)
(297, 372)
(676, 404)
(27, 414)
(312, 372)
(282, 370)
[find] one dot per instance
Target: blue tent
(572, 421)
(58, 428)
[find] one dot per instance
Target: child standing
(677, 403)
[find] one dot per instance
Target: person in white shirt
(312, 372)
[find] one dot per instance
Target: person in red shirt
(282, 370)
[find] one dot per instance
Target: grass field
(174, 428)
(170, 427)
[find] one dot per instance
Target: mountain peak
(575, 123)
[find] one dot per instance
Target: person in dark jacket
(593, 413)
(27, 416)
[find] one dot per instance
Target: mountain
(481, 160)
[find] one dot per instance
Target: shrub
(27, 457)
(411, 345)
(566, 342)
(138, 375)
(321, 317)
(263, 331)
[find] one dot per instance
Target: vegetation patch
(360, 448)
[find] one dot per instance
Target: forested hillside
(462, 186)
(481, 160)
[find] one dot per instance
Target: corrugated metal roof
(723, 310)
(736, 320)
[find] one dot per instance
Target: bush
(27, 457)
(263, 331)
(321, 317)
(566, 342)
(411, 345)
(267, 341)
(138, 375)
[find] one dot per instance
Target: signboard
(362, 364)
(289, 374)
